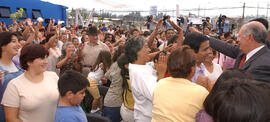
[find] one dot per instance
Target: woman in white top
(9, 47)
(143, 77)
(32, 96)
(212, 70)
(54, 53)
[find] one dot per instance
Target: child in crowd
(71, 86)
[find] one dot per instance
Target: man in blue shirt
(226, 24)
(104, 28)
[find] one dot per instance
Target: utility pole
(199, 11)
(267, 10)
(257, 10)
(204, 11)
(243, 15)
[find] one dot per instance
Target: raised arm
(225, 48)
(180, 33)
(154, 33)
(49, 43)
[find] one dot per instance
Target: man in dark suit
(252, 55)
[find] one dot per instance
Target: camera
(165, 17)
(180, 20)
(149, 18)
(220, 25)
(204, 24)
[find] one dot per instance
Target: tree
(17, 15)
(72, 13)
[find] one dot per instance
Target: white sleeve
(150, 82)
(97, 75)
(146, 84)
(11, 96)
(55, 76)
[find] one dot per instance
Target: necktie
(242, 61)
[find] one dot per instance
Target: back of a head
(104, 57)
(132, 46)
(122, 61)
(180, 62)
(71, 81)
(146, 33)
(48, 37)
(258, 31)
(261, 20)
(240, 100)
(194, 40)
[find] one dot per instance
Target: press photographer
(150, 23)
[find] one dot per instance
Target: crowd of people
(65, 73)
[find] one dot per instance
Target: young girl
(96, 77)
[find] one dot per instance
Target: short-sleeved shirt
(70, 114)
(53, 58)
(113, 97)
(91, 52)
(177, 100)
(36, 101)
(143, 79)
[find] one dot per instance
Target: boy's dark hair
(194, 40)
(71, 81)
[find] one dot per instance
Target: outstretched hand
(161, 65)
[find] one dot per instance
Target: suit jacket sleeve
(227, 49)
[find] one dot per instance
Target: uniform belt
(87, 66)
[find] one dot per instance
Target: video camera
(204, 24)
(180, 20)
(220, 24)
(149, 18)
(164, 19)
